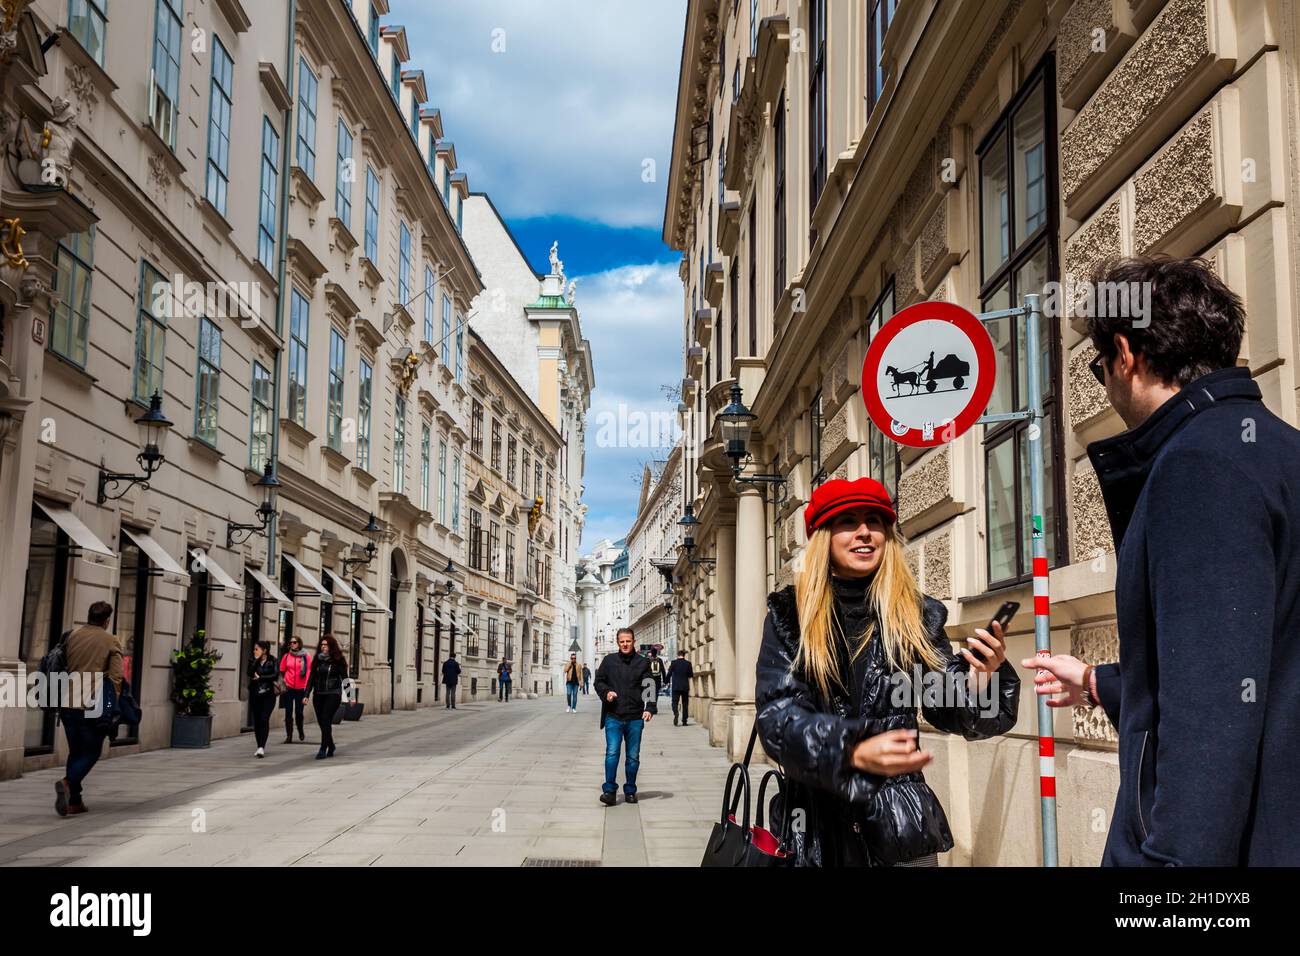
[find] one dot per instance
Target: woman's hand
(991, 647)
(890, 754)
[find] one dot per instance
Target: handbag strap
(749, 752)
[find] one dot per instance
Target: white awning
(307, 576)
(157, 554)
(270, 588)
(376, 604)
(81, 536)
(215, 572)
(341, 588)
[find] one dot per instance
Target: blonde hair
(895, 599)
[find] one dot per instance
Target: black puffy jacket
(850, 817)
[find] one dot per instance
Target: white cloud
(561, 122)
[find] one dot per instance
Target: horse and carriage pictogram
(928, 374)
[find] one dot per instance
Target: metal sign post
(1031, 311)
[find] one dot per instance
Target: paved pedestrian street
(489, 784)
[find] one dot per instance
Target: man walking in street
(627, 703)
(657, 670)
(450, 678)
(679, 680)
(586, 679)
(503, 681)
(92, 653)
(572, 677)
(1203, 496)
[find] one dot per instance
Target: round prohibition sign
(928, 375)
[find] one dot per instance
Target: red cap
(837, 495)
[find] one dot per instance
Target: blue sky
(562, 111)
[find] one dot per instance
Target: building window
(334, 400)
(395, 78)
(880, 15)
(259, 443)
(74, 260)
(460, 215)
(86, 22)
(306, 154)
(492, 638)
(512, 453)
(475, 540)
(753, 279)
(537, 476)
(476, 428)
(510, 557)
(299, 323)
(546, 580)
(219, 103)
(455, 494)
(372, 31)
(446, 332)
(164, 93)
(269, 190)
(883, 461)
(365, 384)
(816, 422)
(460, 348)
(403, 264)
(735, 309)
(207, 383)
(424, 467)
(372, 215)
(523, 473)
(494, 546)
(344, 174)
(778, 202)
(496, 444)
(1018, 255)
(471, 634)
(753, 28)
(442, 482)
(150, 333)
(399, 445)
(428, 305)
(816, 100)
(509, 629)
(550, 494)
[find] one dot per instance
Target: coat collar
(1123, 462)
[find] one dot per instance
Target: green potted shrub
(192, 693)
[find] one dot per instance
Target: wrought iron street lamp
(688, 523)
(153, 427)
(239, 533)
(736, 421)
(372, 532)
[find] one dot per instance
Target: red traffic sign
(928, 375)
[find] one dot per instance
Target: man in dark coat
(679, 679)
(627, 693)
(450, 678)
(1203, 495)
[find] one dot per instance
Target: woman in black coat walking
(262, 675)
(328, 671)
(838, 689)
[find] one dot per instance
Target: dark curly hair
(1195, 326)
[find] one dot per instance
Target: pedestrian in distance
(657, 670)
(93, 654)
(295, 672)
(328, 672)
(1203, 496)
(627, 694)
(263, 673)
(451, 678)
(834, 646)
(679, 679)
(503, 681)
(572, 678)
(586, 679)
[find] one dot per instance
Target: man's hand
(890, 754)
(1058, 674)
(646, 716)
(609, 698)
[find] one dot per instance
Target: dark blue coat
(451, 673)
(680, 673)
(1204, 504)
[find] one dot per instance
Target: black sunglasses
(1098, 369)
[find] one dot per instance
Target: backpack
(53, 664)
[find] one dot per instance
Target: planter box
(191, 733)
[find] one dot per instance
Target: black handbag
(739, 844)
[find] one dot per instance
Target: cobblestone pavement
(488, 784)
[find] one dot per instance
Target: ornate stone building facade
(652, 554)
(298, 306)
(835, 163)
(511, 562)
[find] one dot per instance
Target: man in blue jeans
(95, 653)
(627, 692)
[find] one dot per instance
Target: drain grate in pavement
(557, 861)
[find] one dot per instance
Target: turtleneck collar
(850, 587)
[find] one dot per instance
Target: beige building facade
(652, 555)
(836, 162)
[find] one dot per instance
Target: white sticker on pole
(928, 375)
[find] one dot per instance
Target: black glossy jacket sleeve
(958, 711)
(812, 747)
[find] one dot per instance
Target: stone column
(751, 608)
(724, 635)
(587, 625)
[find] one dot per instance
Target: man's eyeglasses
(1098, 368)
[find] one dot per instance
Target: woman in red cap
(837, 692)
